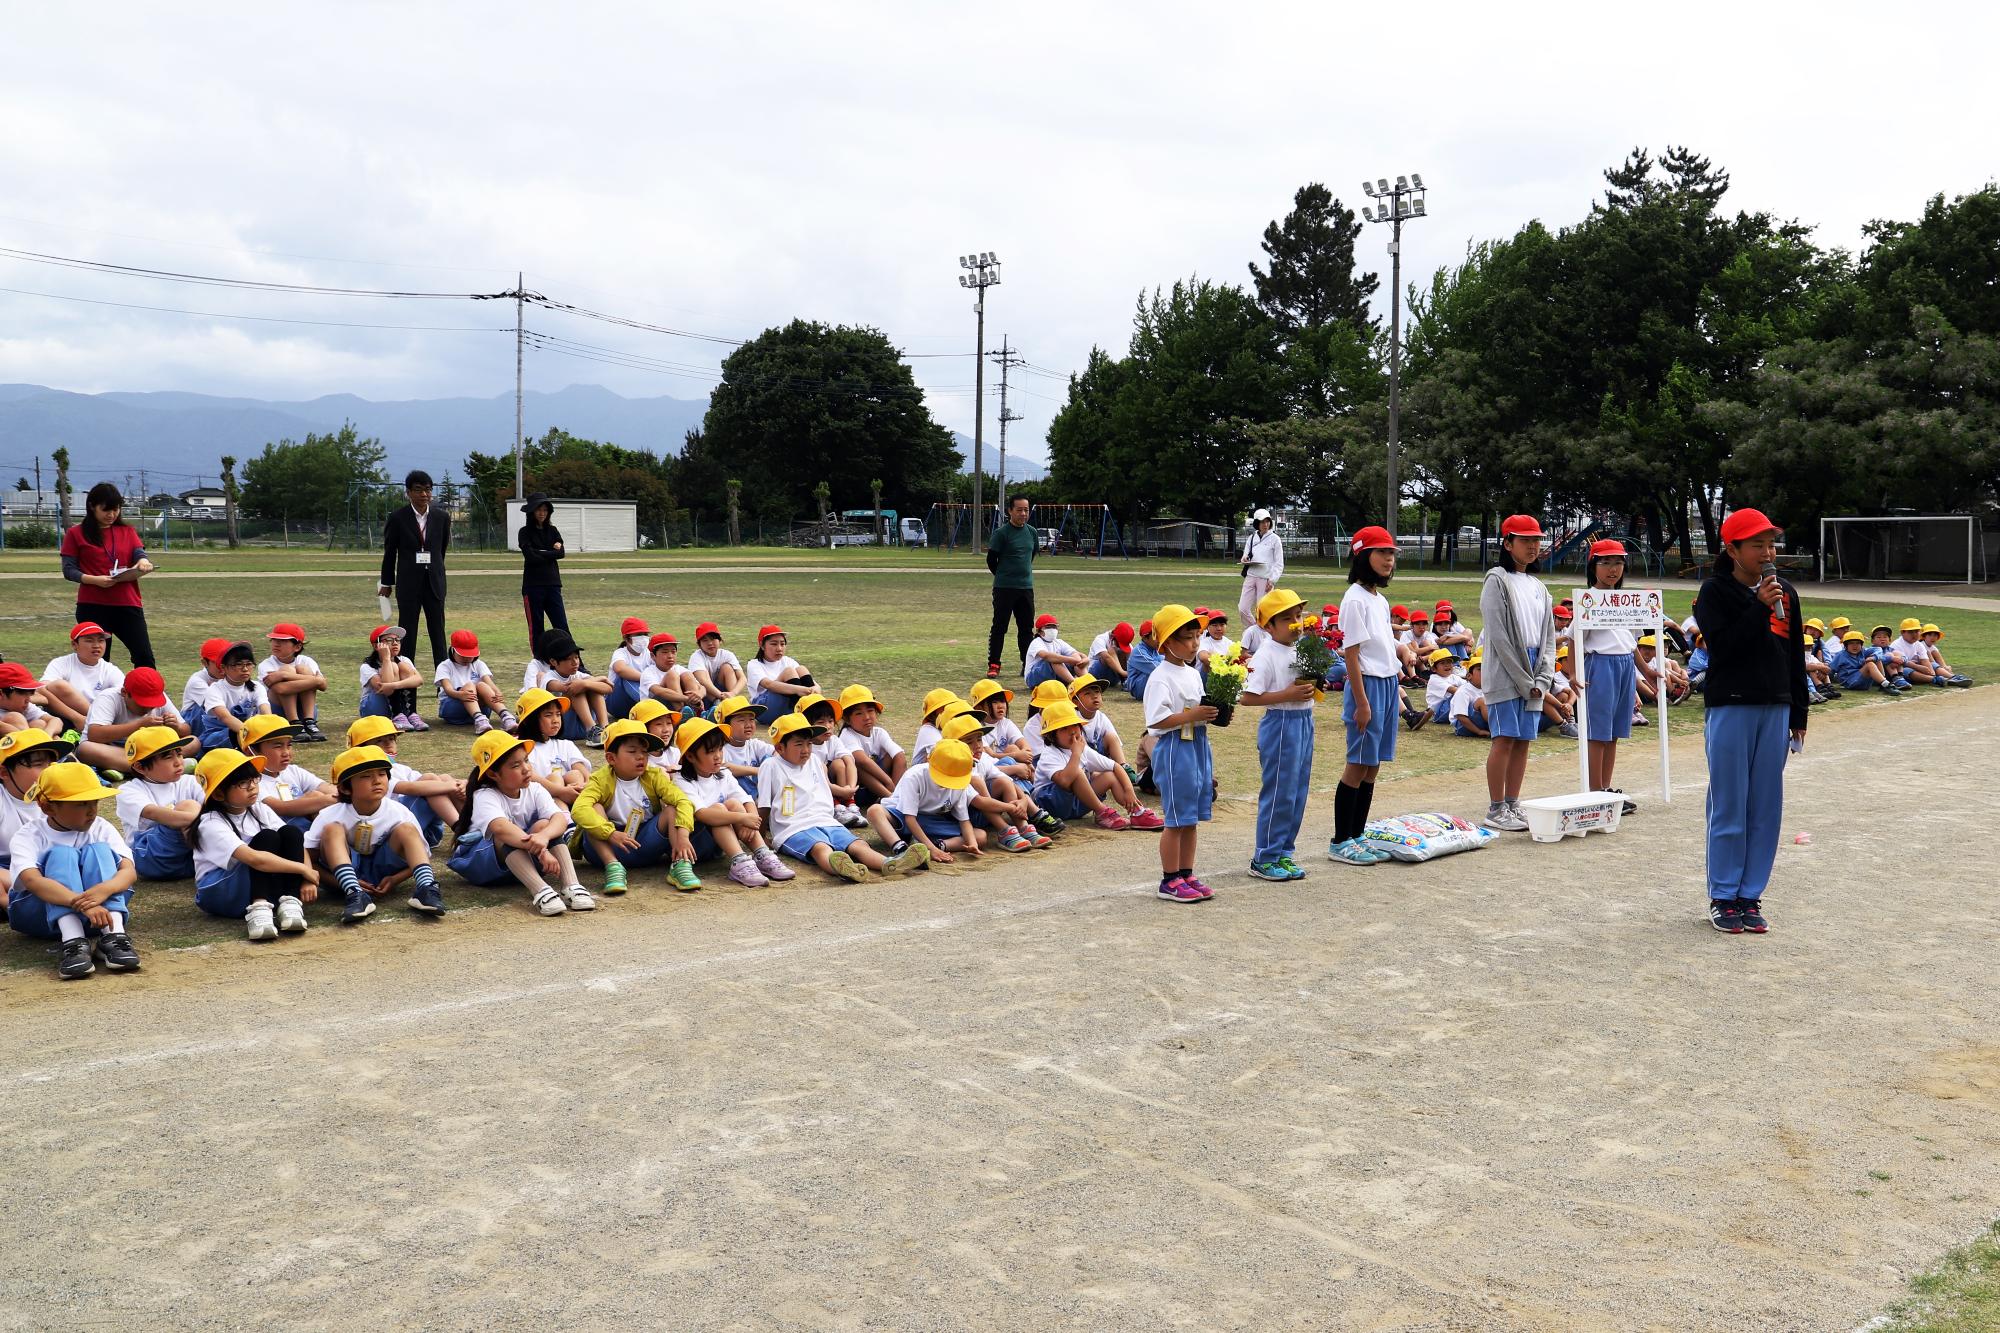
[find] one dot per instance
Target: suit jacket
(400, 544)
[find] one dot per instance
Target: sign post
(1642, 609)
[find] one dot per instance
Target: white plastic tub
(1553, 818)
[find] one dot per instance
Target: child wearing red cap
(715, 668)
(204, 676)
(667, 680)
(774, 682)
(141, 701)
(1374, 695)
(1108, 652)
(1141, 661)
(1520, 660)
(466, 694)
(1756, 694)
(629, 661)
(1214, 645)
(18, 709)
(389, 680)
(71, 682)
(1449, 633)
(1050, 656)
(294, 680)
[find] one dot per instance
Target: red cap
(706, 628)
(144, 687)
(375, 635)
(767, 632)
(1044, 621)
(1333, 614)
(1443, 605)
(1609, 546)
(86, 627)
(1424, 616)
(213, 649)
(1215, 616)
(1121, 634)
(1372, 539)
(14, 676)
(1399, 612)
(661, 640)
(1743, 523)
(1520, 525)
(1564, 613)
(630, 626)
(287, 630)
(465, 643)
(1145, 627)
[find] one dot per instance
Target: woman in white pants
(1263, 564)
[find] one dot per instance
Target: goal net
(1933, 548)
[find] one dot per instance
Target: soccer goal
(1929, 548)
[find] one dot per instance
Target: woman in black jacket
(1756, 695)
(541, 546)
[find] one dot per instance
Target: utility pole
(1004, 358)
(520, 299)
(982, 270)
(1405, 201)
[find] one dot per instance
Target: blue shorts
(1459, 728)
(774, 705)
(703, 838)
(937, 827)
(375, 705)
(749, 786)
(76, 870)
(1376, 745)
(1515, 719)
(624, 698)
(1184, 771)
(162, 853)
(1038, 671)
(1060, 801)
(800, 844)
(1613, 687)
(653, 847)
(452, 712)
(478, 861)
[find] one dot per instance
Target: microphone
(1770, 571)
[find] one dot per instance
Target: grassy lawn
(899, 621)
(1960, 1295)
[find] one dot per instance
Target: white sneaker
(549, 903)
(481, 724)
(257, 923)
(578, 899)
(1507, 819)
(851, 816)
(291, 915)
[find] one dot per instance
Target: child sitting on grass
(627, 671)
(1050, 656)
(554, 761)
(797, 801)
(1468, 703)
(666, 680)
(1005, 743)
(725, 820)
(932, 805)
(1109, 652)
(433, 799)
(1018, 823)
(558, 669)
(773, 680)
(139, 702)
(1443, 683)
(204, 676)
(660, 721)
(1932, 637)
(73, 875)
(512, 830)
(879, 763)
(715, 668)
(249, 865)
(159, 802)
(466, 693)
(293, 680)
(1072, 780)
(293, 794)
(24, 753)
(233, 700)
(70, 683)
(632, 814)
(831, 751)
(389, 680)
(1854, 669)
(1658, 674)
(369, 843)
(743, 750)
(929, 732)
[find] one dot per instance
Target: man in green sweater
(1011, 555)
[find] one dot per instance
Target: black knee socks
(1350, 810)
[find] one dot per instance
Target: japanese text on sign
(1618, 608)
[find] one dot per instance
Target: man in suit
(414, 541)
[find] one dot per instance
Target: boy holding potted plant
(1285, 690)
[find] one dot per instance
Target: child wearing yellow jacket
(632, 814)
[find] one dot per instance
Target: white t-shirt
(195, 691)
(751, 754)
(458, 674)
(1054, 759)
(1040, 647)
(1532, 607)
(701, 661)
(636, 658)
(364, 832)
(878, 744)
(1171, 689)
(927, 738)
(549, 756)
(369, 671)
(1422, 642)
(92, 680)
(301, 662)
(1438, 687)
(219, 835)
(530, 808)
(1364, 624)
(36, 836)
(718, 789)
(15, 813)
(1216, 648)
(221, 694)
(985, 767)
(1462, 699)
(1617, 642)
(760, 671)
(1004, 735)
(1274, 667)
(798, 798)
(534, 674)
(288, 784)
(629, 807)
(1102, 644)
(135, 794)
(1031, 734)
(1267, 555)
(116, 709)
(918, 793)
(830, 749)
(674, 678)
(1097, 729)
(667, 760)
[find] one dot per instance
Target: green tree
(231, 494)
(810, 403)
(1312, 282)
(61, 456)
(314, 480)
(575, 468)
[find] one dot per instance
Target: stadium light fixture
(1416, 181)
(1368, 188)
(983, 271)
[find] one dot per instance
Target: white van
(913, 533)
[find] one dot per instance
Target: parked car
(914, 533)
(1049, 536)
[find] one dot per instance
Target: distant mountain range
(178, 439)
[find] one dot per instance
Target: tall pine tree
(1312, 282)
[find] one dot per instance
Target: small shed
(587, 525)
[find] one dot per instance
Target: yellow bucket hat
(494, 746)
(358, 759)
(1275, 603)
(1059, 715)
(935, 700)
(1169, 619)
(218, 766)
(368, 730)
(689, 732)
(986, 689)
(146, 742)
(625, 728)
(951, 765)
(966, 724)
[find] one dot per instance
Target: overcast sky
(721, 169)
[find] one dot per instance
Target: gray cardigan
(1507, 673)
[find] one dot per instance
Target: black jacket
(400, 545)
(1750, 661)
(539, 556)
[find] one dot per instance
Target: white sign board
(1642, 609)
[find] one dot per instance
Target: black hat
(554, 645)
(536, 501)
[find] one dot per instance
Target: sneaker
(400, 721)
(1414, 718)
(1567, 731)
(594, 738)
(70, 737)
(850, 816)
(1200, 888)
(681, 875)
(1111, 819)
(1036, 838)
(312, 732)
(550, 903)
(1047, 823)
(480, 724)
(417, 722)
(1143, 818)
(1829, 693)
(744, 871)
(770, 867)
(1630, 807)
(1272, 870)
(1963, 682)
(577, 898)
(614, 879)
(1725, 916)
(360, 906)
(1751, 910)
(75, 961)
(291, 915)
(1639, 719)
(257, 922)
(1012, 841)
(845, 866)
(1370, 849)
(1293, 870)
(992, 671)
(508, 722)
(1349, 853)
(435, 838)
(1507, 819)
(110, 777)
(1179, 890)
(429, 901)
(908, 861)
(116, 953)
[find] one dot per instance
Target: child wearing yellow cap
(1005, 742)
(797, 801)
(1854, 668)
(512, 831)
(1932, 636)
(73, 875)
(831, 750)
(632, 814)
(433, 799)
(879, 763)
(743, 750)
(1284, 734)
(558, 765)
(1468, 702)
(249, 864)
(1443, 683)
(726, 820)
(369, 842)
(932, 804)
(1183, 768)
(929, 732)
(660, 721)
(1040, 698)
(158, 802)
(294, 793)
(23, 755)
(1017, 821)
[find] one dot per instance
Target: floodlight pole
(1404, 200)
(982, 270)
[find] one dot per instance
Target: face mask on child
(636, 643)
(1049, 635)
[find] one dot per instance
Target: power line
(242, 284)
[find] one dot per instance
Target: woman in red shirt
(105, 557)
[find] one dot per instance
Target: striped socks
(425, 877)
(350, 883)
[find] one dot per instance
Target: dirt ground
(1523, 1089)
